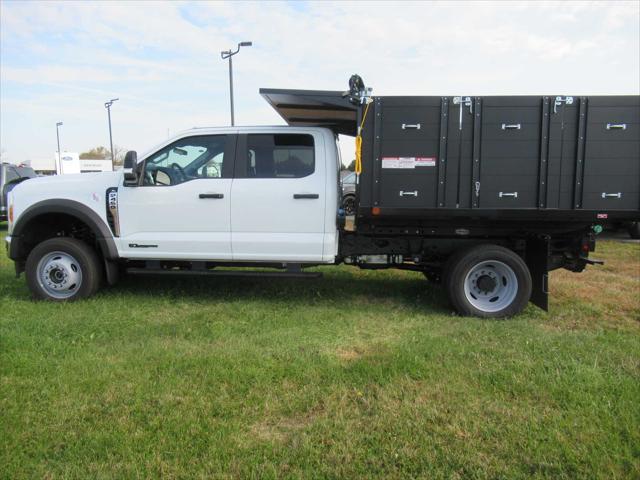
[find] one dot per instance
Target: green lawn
(357, 375)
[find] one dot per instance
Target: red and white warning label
(408, 162)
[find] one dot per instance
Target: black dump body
(539, 160)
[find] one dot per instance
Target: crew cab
(270, 198)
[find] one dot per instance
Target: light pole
(107, 105)
(58, 160)
(228, 54)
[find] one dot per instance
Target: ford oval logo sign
(67, 158)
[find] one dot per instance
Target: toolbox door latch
(560, 100)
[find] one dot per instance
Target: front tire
(63, 269)
(488, 281)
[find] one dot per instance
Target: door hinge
(560, 101)
(477, 189)
(466, 102)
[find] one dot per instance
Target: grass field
(357, 375)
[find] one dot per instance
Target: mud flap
(537, 255)
(112, 272)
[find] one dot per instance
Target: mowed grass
(357, 375)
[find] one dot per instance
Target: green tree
(97, 153)
(103, 153)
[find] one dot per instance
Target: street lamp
(107, 105)
(58, 160)
(228, 54)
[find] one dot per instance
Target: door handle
(299, 196)
(211, 195)
(511, 126)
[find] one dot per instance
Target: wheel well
(49, 225)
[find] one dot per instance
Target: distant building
(70, 163)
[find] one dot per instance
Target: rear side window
(280, 156)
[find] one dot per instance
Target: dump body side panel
(479, 156)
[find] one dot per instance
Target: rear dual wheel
(487, 281)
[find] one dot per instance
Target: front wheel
(62, 269)
(488, 281)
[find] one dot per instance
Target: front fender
(75, 209)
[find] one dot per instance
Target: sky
(61, 61)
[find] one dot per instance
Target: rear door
(278, 197)
(612, 154)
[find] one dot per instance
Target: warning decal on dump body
(425, 161)
(408, 162)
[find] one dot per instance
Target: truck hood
(88, 189)
(61, 181)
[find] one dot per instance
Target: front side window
(280, 156)
(187, 159)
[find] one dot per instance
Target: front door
(181, 209)
(278, 198)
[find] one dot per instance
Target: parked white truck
(212, 198)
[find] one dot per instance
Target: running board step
(224, 273)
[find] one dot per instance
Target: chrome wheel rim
(491, 286)
(59, 275)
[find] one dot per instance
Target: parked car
(348, 184)
(10, 176)
(467, 190)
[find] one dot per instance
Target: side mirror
(130, 169)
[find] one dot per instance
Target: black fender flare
(83, 213)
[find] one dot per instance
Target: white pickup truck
(193, 198)
(212, 198)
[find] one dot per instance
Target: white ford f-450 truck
(482, 194)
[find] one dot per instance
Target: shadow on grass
(336, 287)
